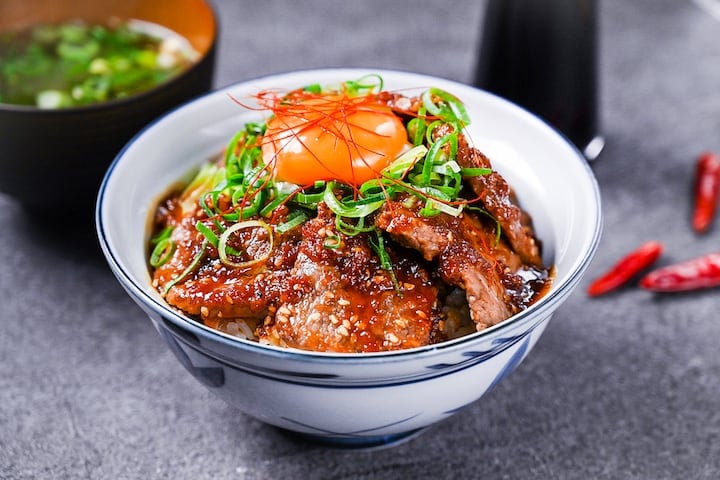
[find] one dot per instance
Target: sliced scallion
(223, 246)
(350, 209)
(332, 242)
(351, 229)
(378, 245)
(162, 252)
(209, 235)
(475, 172)
(189, 269)
(295, 219)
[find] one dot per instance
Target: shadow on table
(69, 234)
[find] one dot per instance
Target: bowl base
(377, 442)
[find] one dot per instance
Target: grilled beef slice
(466, 255)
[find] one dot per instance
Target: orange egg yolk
(332, 138)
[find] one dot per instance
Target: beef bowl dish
(349, 255)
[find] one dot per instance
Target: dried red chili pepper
(694, 274)
(627, 268)
(707, 190)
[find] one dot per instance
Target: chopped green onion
(448, 168)
(225, 237)
(450, 109)
(253, 201)
(378, 245)
(188, 270)
(308, 199)
(416, 128)
(436, 155)
(433, 207)
(161, 235)
(164, 247)
(232, 217)
(364, 85)
(475, 172)
(350, 209)
(197, 190)
(270, 207)
(209, 235)
(255, 128)
(333, 242)
(162, 252)
(230, 155)
(430, 131)
(296, 219)
(350, 229)
(399, 167)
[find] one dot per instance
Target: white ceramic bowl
(352, 399)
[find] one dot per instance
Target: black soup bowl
(52, 160)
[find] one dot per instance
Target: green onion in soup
(74, 63)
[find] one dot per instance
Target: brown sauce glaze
(317, 287)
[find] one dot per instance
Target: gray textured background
(621, 387)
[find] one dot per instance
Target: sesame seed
(403, 104)
(392, 338)
(346, 323)
(284, 310)
(421, 314)
(409, 286)
(282, 318)
(334, 319)
(314, 316)
(344, 302)
(343, 331)
(204, 311)
(268, 320)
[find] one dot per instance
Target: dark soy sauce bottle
(542, 55)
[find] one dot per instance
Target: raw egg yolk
(331, 138)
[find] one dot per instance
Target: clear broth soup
(73, 63)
